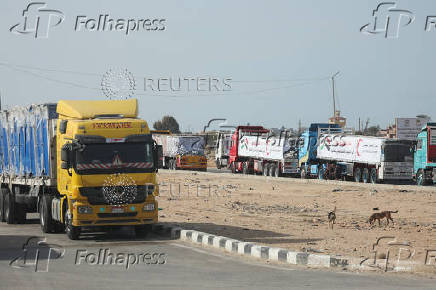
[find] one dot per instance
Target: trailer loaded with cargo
(327, 153)
(79, 164)
(255, 151)
(182, 151)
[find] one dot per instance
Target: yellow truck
(79, 164)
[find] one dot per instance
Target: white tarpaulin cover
(262, 147)
(174, 145)
(350, 148)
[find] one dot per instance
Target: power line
(19, 68)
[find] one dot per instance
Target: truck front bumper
(109, 215)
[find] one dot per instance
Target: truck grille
(116, 215)
(95, 195)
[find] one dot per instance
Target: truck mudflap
(396, 171)
(290, 166)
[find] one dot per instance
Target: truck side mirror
(66, 156)
(63, 126)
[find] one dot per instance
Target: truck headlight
(148, 207)
(149, 188)
(84, 209)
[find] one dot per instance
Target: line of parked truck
(326, 151)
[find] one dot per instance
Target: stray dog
(380, 215)
(332, 218)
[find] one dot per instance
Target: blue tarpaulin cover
(25, 140)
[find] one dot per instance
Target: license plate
(117, 209)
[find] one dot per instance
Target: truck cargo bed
(27, 145)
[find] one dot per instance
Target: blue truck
(308, 162)
(327, 152)
(424, 167)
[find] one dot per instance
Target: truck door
(420, 153)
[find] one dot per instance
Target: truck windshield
(397, 153)
(115, 158)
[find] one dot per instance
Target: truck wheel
(357, 174)
(365, 175)
(303, 174)
(72, 232)
(218, 163)
(321, 173)
(20, 213)
(373, 176)
(233, 167)
(420, 179)
(245, 168)
(9, 208)
(265, 169)
(277, 171)
(47, 223)
(271, 170)
(142, 230)
(3, 192)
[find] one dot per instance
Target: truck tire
(9, 208)
(142, 231)
(20, 213)
(45, 219)
(277, 171)
(245, 168)
(365, 175)
(321, 173)
(233, 167)
(357, 174)
(303, 174)
(72, 232)
(218, 163)
(420, 178)
(373, 176)
(271, 170)
(3, 192)
(265, 169)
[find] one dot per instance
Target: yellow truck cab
(106, 173)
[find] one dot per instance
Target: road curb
(251, 249)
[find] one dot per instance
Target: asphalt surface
(154, 262)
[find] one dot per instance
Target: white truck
(222, 149)
(254, 150)
(182, 151)
(364, 158)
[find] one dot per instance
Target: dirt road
(292, 213)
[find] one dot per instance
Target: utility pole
(333, 90)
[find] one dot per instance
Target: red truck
(253, 150)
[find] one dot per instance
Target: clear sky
(277, 53)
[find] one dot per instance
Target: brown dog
(332, 218)
(380, 215)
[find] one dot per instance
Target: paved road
(178, 266)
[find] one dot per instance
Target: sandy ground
(292, 213)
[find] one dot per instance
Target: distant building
(338, 119)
